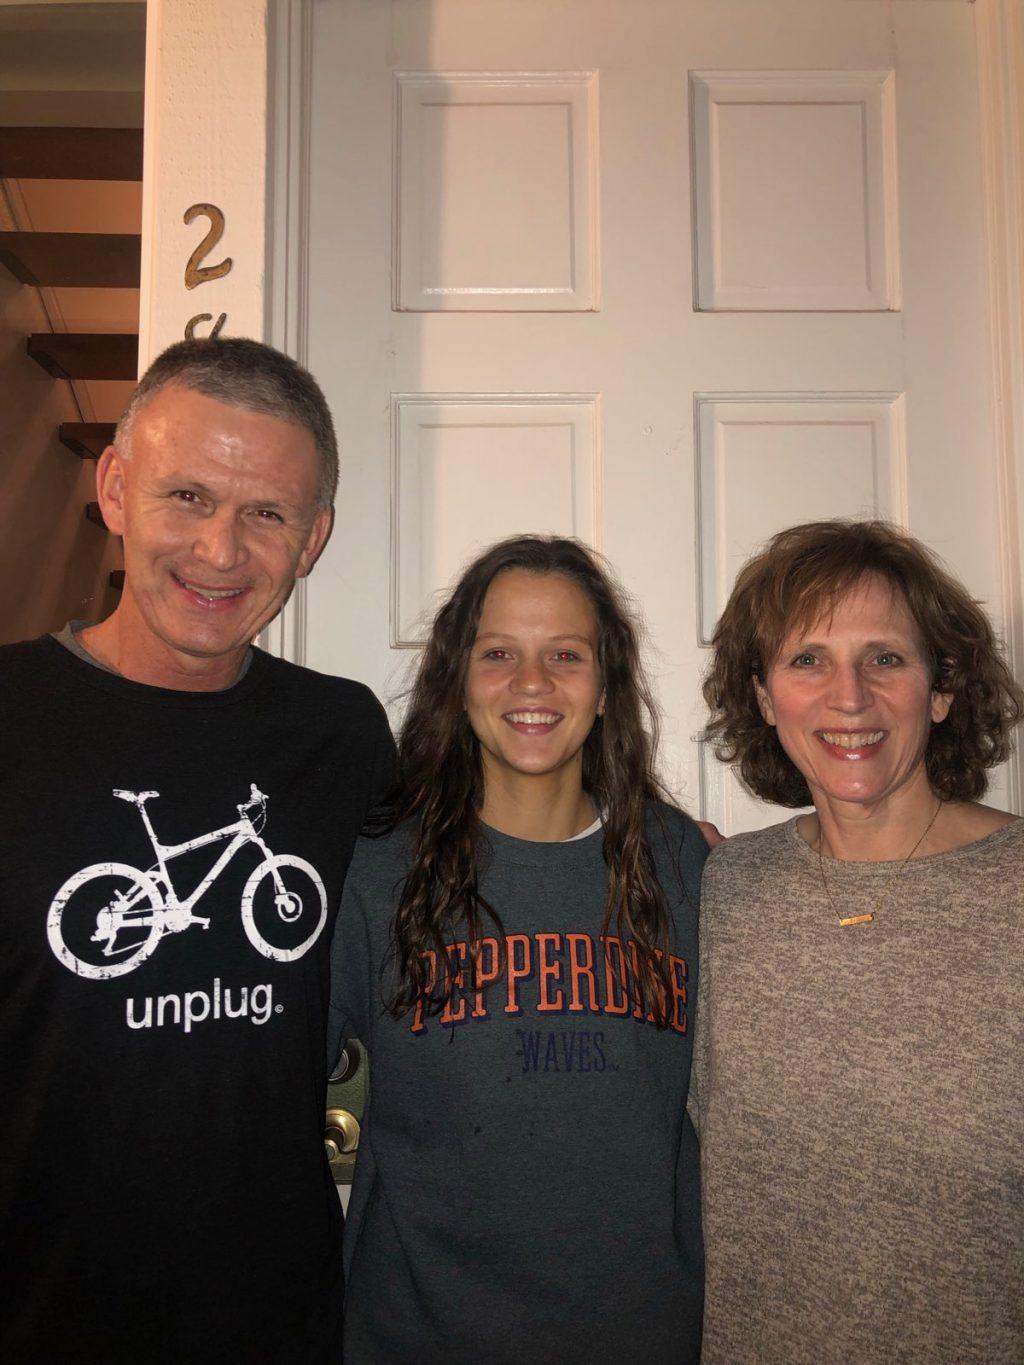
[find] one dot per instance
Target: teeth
(211, 594)
(854, 741)
(533, 717)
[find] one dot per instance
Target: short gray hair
(248, 374)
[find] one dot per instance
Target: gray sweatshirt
(861, 1096)
(527, 1180)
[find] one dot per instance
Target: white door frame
(206, 69)
(1000, 32)
(247, 67)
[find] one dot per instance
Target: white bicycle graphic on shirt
(127, 911)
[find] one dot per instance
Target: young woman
(517, 950)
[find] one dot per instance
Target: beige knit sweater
(861, 1103)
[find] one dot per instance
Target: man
(179, 810)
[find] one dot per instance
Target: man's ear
(110, 485)
(319, 534)
(764, 701)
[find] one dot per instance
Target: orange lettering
(517, 973)
(484, 977)
(581, 964)
(678, 974)
(611, 1005)
(638, 982)
(549, 971)
(430, 957)
(451, 1015)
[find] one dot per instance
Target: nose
(220, 542)
(531, 677)
(849, 691)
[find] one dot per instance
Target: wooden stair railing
(87, 440)
(77, 260)
(91, 260)
(86, 355)
(71, 153)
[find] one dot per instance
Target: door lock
(341, 1135)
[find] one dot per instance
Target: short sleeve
(352, 970)
(384, 760)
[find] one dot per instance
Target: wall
(53, 563)
(60, 65)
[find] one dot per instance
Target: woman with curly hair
(517, 951)
(859, 1065)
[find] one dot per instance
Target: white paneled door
(663, 274)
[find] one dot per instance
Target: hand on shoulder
(712, 834)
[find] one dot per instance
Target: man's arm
(348, 1016)
(385, 760)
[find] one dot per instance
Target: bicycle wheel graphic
(283, 927)
(102, 922)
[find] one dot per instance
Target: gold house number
(196, 273)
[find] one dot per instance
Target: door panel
(525, 318)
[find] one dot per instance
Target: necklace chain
(846, 921)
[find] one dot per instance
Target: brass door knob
(347, 1064)
(341, 1134)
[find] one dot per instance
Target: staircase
(94, 260)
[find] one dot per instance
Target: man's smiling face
(217, 507)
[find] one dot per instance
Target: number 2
(194, 272)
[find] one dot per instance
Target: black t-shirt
(164, 1193)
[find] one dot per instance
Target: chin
(205, 647)
(854, 796)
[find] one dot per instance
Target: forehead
(872, 608)
(188, 434)
(547, 602)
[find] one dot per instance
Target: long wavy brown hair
(440, 786)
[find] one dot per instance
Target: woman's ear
(600, 704)
(764, 701)
(942, 703)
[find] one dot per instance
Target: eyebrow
(887, 642)
(506, 635)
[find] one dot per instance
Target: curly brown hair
(800, 576)
(440, 784)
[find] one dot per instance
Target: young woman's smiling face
(852, 699)
(533, 686)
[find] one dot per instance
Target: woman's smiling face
(533, 686)
(852, 698)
